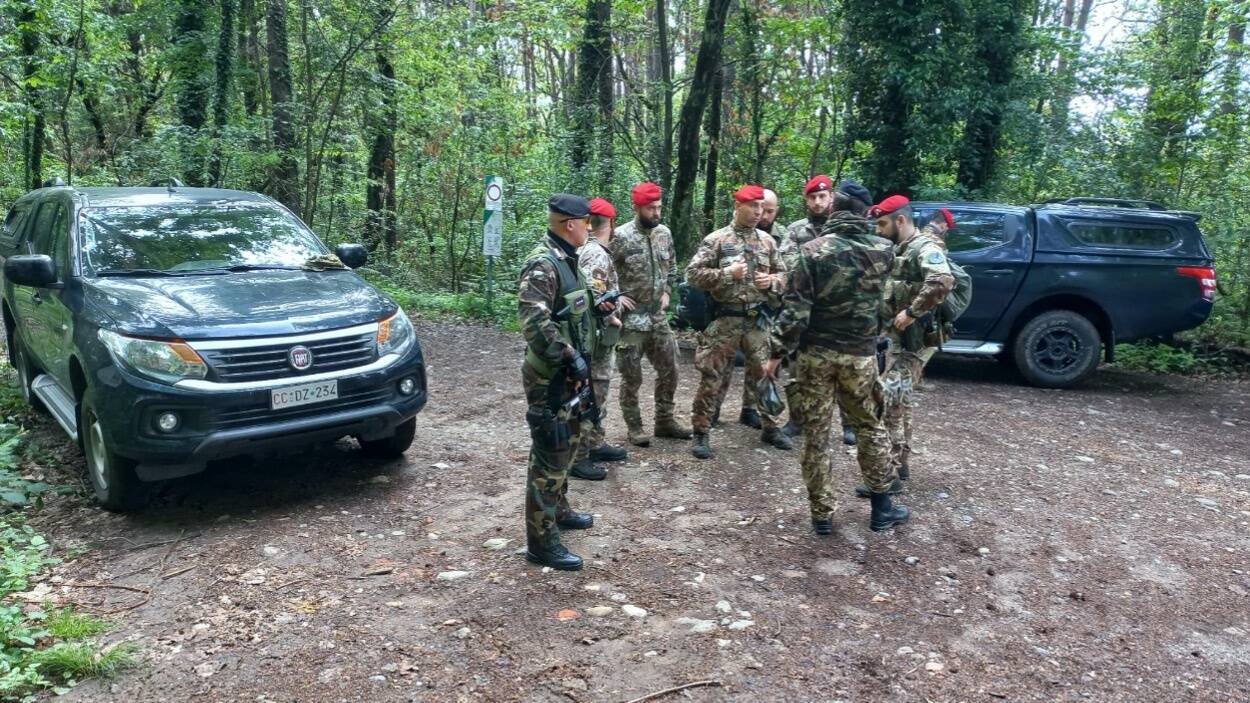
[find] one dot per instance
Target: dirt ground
(1077, 545)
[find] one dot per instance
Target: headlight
(164, 361)
(395, 334)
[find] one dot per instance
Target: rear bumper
(219, 425)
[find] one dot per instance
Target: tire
(392, 447)
(25, 371)
(1057, 349)
(113, 479)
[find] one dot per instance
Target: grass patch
(74, 661)
(65, 624)
(500, 311)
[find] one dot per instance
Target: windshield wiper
(138, 273)
(236, 268)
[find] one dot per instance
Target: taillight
(1205, 276)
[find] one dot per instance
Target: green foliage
(1158, 358)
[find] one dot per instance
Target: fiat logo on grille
(300, 358)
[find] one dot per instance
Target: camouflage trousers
(660, 348)
(830, 378)
(546, 483)
(714, 358)
(902, 374)
(750, 394)
(601, 374)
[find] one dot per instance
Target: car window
(973, 229)
(48, 235)
(13, 222)
(1123, 236)
(190, 238)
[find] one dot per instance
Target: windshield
(191, 238)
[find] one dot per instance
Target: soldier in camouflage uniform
(749, 415)
(595, 261)
(645, 260)
(739, 268)
(832, 318)
(555, 351)
(921, 279)
(941, 222)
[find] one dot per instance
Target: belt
(723, 310)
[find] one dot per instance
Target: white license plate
(307, 394)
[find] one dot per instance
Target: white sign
(494, 193)
(492, 233)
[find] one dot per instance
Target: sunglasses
(585, 219)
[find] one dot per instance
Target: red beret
(817, 183)
(749, 192)
(888, 205)
(602, 208)
(644, 193)
(946, 215)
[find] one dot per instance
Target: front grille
(259, 413)
(271, 361)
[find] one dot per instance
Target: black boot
(750, 418)
(792, 428)
(585, 469)
(700, 448)
(885, 514)
(823, 526)
(848, 435)
(896, 487)
(573, 520)
(553, 555)
(608, 452)
(777, 438)
(904, 471)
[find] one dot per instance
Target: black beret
(571, 205)
(856, 191)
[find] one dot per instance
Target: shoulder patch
(935, 258)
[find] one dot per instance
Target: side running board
(59, 403)
(972, 347)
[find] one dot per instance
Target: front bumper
(225, 422)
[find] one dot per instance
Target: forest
(377, 121)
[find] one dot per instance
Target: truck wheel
(392, 447)
(113, 477)
(1057, 349)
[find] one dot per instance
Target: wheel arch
(1079, 304)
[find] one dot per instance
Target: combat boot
(750, 417)
(608, 452)
(700, 448)
(669, 427)
(896, 487)
(553, 555)
(848, 435)
(638, 436)
(792, 428)
(823, 526)
(904, 471)
(777, 438)
(573, 520)
(586, 470)
(885, 514)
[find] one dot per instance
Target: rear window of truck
(1123, 236)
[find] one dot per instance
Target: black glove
(579, 370)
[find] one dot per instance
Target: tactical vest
(571, 311)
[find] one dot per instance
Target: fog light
(408, 386)
(167, 422)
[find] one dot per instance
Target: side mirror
(352, 255)
(34, 270)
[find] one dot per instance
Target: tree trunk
(592, 102)
(714, 110)
(706, 64)
(192, 78)
(998, 41)
(664, 55)
(35, 125)
(284, 181)
(221, 96)
(249, 50)
(380, 190)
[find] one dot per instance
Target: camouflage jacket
(922, 278)
(596, 263)
(939, 238)
(720, 249)
(645, 263)
(538, 296)
(833, 297)
(797, 234)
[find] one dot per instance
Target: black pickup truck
(167, 327)
(1055, 286)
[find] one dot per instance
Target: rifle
(582, 405)
(883, 351)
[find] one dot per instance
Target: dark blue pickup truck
(1055, 286)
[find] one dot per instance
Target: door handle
(36, 298)
(998, 272)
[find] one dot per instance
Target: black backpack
(694, 307)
